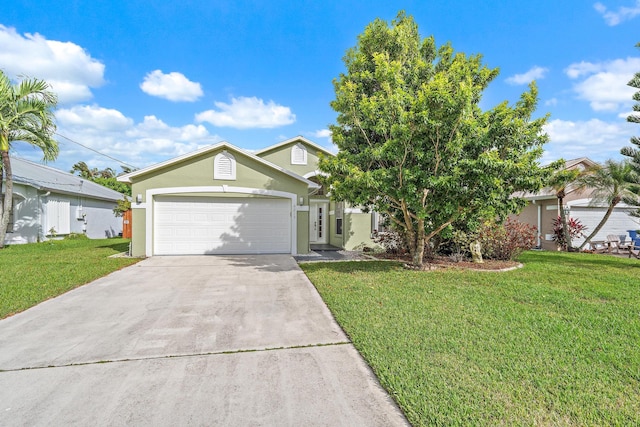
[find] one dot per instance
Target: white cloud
(92, 117)
(67, 67)
(622, 14)
(322, 133)
(604, 84)
(594, 138)
(173, 86)
(245, 113)
(111, 132)
(535, 73)
(551, 102)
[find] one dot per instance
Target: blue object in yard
(633, 234)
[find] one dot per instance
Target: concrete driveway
(217, 340)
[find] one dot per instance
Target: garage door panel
(618, 223)
(208, 225)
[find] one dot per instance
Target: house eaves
(549, 193)
(46, 178)
(224, 145)
(289, 141)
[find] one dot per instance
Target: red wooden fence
(126, 224)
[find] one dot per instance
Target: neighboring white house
(543, 208)
(48, 202)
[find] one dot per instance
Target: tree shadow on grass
(118, 247)
(585, 260)
(353, 266)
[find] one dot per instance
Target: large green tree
(414, 143)
(26, 115)
(611, 185)
(634, 152)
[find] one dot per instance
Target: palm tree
(634, 152)
(611, 184)
(83, 170)
(26, 114)
(107, 173)
(560, 182)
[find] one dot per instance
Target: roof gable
(297, 139)
(207, 150)
(550, 193)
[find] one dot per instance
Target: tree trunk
(565, 227)
(601, 223)
(418, 254)
(7, 204)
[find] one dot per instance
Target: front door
(318, 222)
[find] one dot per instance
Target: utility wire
(96, 151)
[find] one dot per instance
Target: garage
(191, 225)
(618, 223)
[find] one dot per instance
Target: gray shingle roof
(51, 179)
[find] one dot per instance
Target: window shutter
(58, 216)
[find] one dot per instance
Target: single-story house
(48, 203)
(543, 207)
(225, 200)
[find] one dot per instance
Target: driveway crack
(178, 356)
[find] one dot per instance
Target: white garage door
(210, 225)
(618, 223)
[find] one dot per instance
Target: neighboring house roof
(225, 145)
(47, 178)
(289, 141)
(550, 193)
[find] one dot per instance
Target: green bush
(76, 236)
(506, 241)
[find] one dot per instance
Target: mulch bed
(445, 262)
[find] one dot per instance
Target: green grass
(32, 273)
(554, 343)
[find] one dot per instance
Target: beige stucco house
(543, 207)
(222, 199)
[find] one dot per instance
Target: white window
(224, 166)
(298, 155)
(339, 214)
(58, 217)
(378, 222)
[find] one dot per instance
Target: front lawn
(554, 343)
(30, 274)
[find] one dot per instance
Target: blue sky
(146, 81)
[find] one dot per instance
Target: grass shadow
(118, 247)
(353, 266)
(580, 260)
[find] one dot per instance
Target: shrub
(459, 245)
(392, 241)
(506, 241)
(576, 230)
(76, 236)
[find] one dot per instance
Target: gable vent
(224, 166)
(298, 155)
